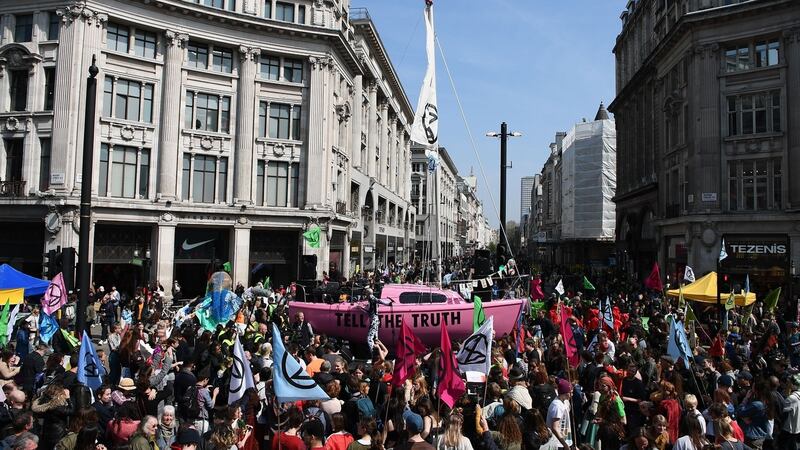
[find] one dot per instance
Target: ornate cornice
(176, 39)
(320, 62)
(77, 10)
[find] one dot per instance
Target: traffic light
(50, 264)
(68, 267)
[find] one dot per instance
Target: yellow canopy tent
(12, 296)
(704, 290)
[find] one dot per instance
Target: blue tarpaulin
(11, 278)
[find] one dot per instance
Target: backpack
(189, 404)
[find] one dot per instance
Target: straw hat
(127, 384)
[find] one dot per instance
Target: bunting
(408, 347)
(241, 374)
(476, 352)
(290, 382)
(451, 387)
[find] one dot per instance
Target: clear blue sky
(540, 65)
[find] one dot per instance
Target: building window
(268, 9)
(144, 44)
(754, 113)
(751, 55)
(296, 114)
(270, 67)
(203, 179)
(222, 60)
(208, 112)
(293, 70)
(117, 37)
(198, 55)
(23, 27)
(44, 164)
(754, 184)
(129, 100)
(222, 185)
(278, 183)
(49, 87)
(130, 171)
(53, 26)
(230, 5)
(18, 90)
(221, 57)
(186, 174)
(279, 120)
(301, 14)
(284, 11)
(260, 179)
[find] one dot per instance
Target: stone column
(372, 129)
(164, 251)
(358, 103)
(708, 158)
(6, 28)
(393, 155)
(170, 124)
(790, 102)
(241, 252)
(384, 140)
(316, 190)
(245, 111)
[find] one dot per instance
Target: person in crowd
(145, 436)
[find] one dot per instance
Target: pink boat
(423, 308)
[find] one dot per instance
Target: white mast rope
(474, 147)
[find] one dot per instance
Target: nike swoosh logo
(187, 246)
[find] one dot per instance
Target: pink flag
(55, 296)
(569, 339)
(408, 347)
(536, 289)
(654, 280)
(451, 387)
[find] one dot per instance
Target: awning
(11, 278)
(704, 290)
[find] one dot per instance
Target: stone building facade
(224, 129)
(708, 142)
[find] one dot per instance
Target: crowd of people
(167, 380)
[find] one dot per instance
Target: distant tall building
(526, 186)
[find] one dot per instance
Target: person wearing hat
(188, 439)
(558, 415)
(519, 388)
(414, 426)
(790, 430)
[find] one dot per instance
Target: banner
(678, 345)
(560, 287)
(408, 347)
(290, 382)
(48, 326)
(478, 315)
(451, 387)
(55, 296)
(425, 129)
(90, 369)
(476, 352)
(241, 374)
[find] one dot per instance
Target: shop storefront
(274, 254)
(677, 258)
(355, 251)
(22, 246)
(198, 253)
(336, 255)
(391, 249)
(764, 258)
(380, 250)
(122, 257)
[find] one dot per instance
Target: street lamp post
(503, 135)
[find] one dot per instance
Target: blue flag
(48, 326)
(678, 344)
(290, 381)
(90, 368)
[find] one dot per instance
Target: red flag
(654, 280)
(536, 289)
(408, 347)
(451, 387)
(569, 339)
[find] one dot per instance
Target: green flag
(536, 306)
(227, 267)
(646, 324)
(267, 282)
(771, 300)
(4, 325)
(730, 303)
(690, 314)
(312, 236)
(478, 316)
(587, 284)
(72, 340)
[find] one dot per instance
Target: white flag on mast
(425, 129)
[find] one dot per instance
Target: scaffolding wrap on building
(588, 168)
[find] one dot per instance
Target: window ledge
(156, 60)
(753, 137)
(753, 70)
(279, 141)
(124, 122)
(301, 84)
(216, 134)
(233, 75)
